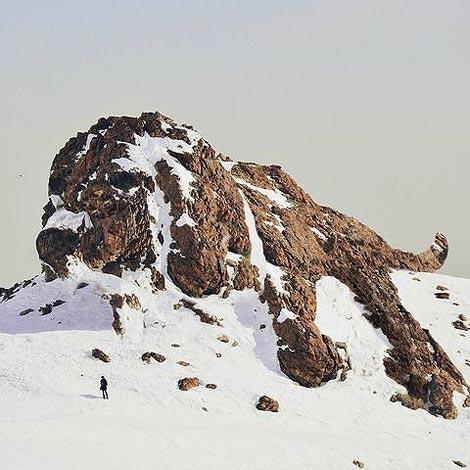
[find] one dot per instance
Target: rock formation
(146, 195)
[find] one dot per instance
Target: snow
(86, 147)
(147, 151)
(285, 314)
(227, 165)
(52, 416)
(185, 219)
(319, 234)
(258, 259)
(273, 194)
(64, 219)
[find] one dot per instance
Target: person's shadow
(91, 397)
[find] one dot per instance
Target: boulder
(266, 403)
(188, 383)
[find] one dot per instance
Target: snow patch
(274, 195)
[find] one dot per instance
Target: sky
(365, 103)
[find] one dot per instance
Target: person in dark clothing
(104, 387)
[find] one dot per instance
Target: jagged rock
(102, 356)
(358, 464)
(266, 403)
(218, 209)
(147, 356)
(82, 285)
(188, 383)
(223, 339)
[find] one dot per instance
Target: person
(104, 387)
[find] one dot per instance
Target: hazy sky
(365, 103)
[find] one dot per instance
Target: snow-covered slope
(52, 415)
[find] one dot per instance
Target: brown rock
(223, 339)
(183, 363)
(149, 355)
(98, 354)
(211, 386)
(188, 382)
(266, 403)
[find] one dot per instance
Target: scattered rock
(262, 326)
(463, 317)
(204, 408)
(460, 325)
(358, 463)
(459, 464)
(175, 345)
(441, 288)
(218, 355)
(211, 386)
(188, 383)
(203, 316)
(441, 295)
(266, 403)
(234, 344)
(58, 302)
(25, 312)
(82, 285)
(416, 279)
(102, 356)
(183, 363)
(223, 339)
(147, 356)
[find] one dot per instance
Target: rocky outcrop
(148, 195)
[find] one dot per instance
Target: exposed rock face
(145, 194)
